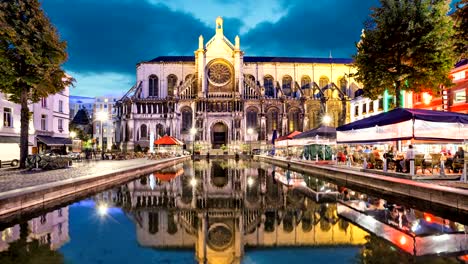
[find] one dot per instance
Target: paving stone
(11, 179)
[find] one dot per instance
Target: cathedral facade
(221, 97)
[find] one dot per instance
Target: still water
(223, 211)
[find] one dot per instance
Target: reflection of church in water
(223, 93)
(223, 207)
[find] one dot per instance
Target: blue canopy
(321, 131)
(404, 114)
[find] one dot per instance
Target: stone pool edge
(38, 196)
(434, 194)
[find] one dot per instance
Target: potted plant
(224, 148)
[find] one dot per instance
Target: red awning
(167, 176)
(290, 136)
(167, 140)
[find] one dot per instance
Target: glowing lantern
(427, 98)
(402, 240)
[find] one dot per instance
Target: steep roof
(254, 59)
(81, 117)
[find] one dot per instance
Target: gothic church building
(224, 94)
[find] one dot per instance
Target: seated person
(367, 150)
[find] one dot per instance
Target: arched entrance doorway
(219, 135)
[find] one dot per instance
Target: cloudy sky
(106, 38)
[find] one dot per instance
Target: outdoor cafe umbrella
(168, 141)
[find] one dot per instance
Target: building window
(293, 120)
(60, 106)
(305, 82)
(160, 130)
(287, 82)
(60, 124)
(186, 119)
(43, 122)
(356, 110)
(7, 117)
(371, 107)
(269, 88)
(143, 131)
(171, 84)
(251, 119)
(459, 96)
(44, 102)
(364, 109)
(153, 86)
(43, 219)
(272, 121)
(380, 106)
(417, 98)
(323, 81)
(60, 214)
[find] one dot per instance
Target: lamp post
(250, 132)
(326, 120)
(193, 132)
(102, 116)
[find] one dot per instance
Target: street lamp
(250, 132)
(73, 134)
(102, 116)
(193, 132)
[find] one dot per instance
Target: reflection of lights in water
(402, 240)
(152, 181)
(352, 192)
(415, 226)
(322, 188)
(193, 182)
(327, 191)
(102, 209)
(441, 237)
(250, 181)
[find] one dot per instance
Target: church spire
(219, 26)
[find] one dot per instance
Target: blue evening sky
(106, 38)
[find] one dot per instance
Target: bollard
(364, 163)
(316, 157)
(385, 165)
(411, 167)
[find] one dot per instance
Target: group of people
(401, 160)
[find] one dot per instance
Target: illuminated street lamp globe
(73, 134)
(326, 119)
(101, 116)
(193, 131)
(250, 131)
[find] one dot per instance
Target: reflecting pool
(226, 211)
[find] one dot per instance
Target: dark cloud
(112, 36)
(311, 28)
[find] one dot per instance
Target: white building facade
(223, 93)
(106, 106)
(48, 128)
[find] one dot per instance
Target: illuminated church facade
(223, 95)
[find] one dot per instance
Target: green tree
(31, 55)
(461, 28)
(406, 44)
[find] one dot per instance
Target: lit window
(44, 102)
(7, 118)
(459, 96)
(43, 122)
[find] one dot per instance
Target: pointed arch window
(287, 84)
(293, 120)
(269, 88)
(186, 119)
(272, 120)
(144, 131)
(323, 82)
(251, 118)
(171, 84)
(153, 86)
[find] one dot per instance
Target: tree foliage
(461, 28)
(406, 44)
(31, 56)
